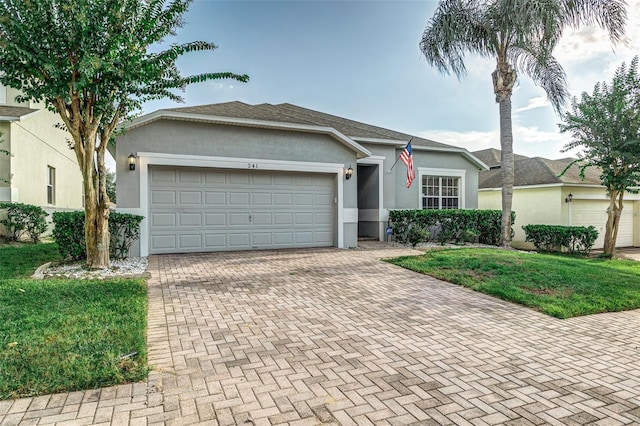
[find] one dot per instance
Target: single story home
(233, 176)
(542, 196)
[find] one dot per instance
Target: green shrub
(68, 232)
(449, 225)
(573, 239)
(24, 219)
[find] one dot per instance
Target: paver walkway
(328, 336)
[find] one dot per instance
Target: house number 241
(252, 165)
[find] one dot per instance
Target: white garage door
(594, 212)
(194, 209)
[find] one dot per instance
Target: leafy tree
(95, 62)
(111, 186)
(520, 35)
(606, 125)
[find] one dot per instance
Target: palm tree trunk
(504, 78)
(614, 212)
(506, 169)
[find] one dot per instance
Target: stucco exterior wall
(36, 144)
(188, 138)
(547, 205)
(212, 141)
(532, 206)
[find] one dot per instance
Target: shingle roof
(288, 113)
(14, 112)
(491, 156)
(537, 171)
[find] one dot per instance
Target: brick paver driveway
(334, 336)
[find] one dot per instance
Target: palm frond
(544, 70)
(611, 15)
(456, 28)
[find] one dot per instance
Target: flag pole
(398, 159)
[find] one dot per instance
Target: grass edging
(557, 285)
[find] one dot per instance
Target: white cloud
(537, 102)
(529, 141)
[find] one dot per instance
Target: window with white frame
(51, 185)
(441, 188)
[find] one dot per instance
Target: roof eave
(361, 152)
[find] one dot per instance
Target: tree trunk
(614, 212)
(504, 78)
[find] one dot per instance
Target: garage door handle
(249, 218)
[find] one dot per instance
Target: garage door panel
(190, 176)
(594, 213)
(190, 241)
(215, 177)
(283, 218)
(283, 238)
(167, 219)
(280, 199)
(215, 198)
(215, 241)
(284, 180)
(261, 219)
(304, 237)
(160, 243)
(261, 199)
(239, 240)
(261, 179)
(163, 198)
(235, 178)
(239, 219)
(304, 218)
(322, 199)
(198, 209)
(215, 219)
(193, 198)
(239, 198)
(262, 239)
(163, 175)
(304, 199)
(190, 219)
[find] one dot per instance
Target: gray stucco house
(234, 176)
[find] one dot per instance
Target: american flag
(407, 159)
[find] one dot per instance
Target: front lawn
(556, 285)
(63, 335)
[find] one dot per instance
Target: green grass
(64, 335)
(557, 285)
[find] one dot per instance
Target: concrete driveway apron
(328, 336)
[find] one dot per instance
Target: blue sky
(360, 60)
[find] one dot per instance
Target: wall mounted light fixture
(348, 173)
(569, 198)
(132, 161)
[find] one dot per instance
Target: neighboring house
(540, 196)
(234, 176)
(42, 170)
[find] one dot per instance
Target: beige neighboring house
(42, 170)
(541, 197)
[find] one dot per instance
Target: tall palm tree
(520, 35)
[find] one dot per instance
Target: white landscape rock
(133, 267)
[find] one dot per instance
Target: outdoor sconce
(132, 161)
(569, 198)
(348, 173)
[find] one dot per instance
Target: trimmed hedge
(24, 219)
(68, 233)
(573, 239)
(447, 226)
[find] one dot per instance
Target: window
(51, 185)
(441, 192)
